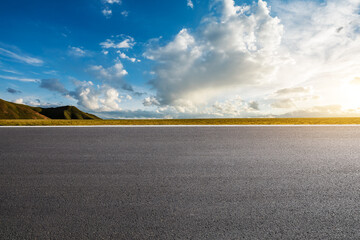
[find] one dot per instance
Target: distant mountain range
(9, 110)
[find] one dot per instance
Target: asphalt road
(180, 183)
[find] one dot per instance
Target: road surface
(180, 183)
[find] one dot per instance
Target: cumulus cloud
(19, 101)
(100, 99)
(113, 1)
(107, 12)
(76, 51)
(190, 4)
(237, 46)
(151, 101)
(282, 64)
(12, 91)
(229, 107)
(124, 56)
(127, 42)
(112, 75)
(245, 50)
(54, 85)
(114, 72)
(233, 107)
(9, 55)
(36, 102)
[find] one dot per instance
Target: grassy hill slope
(9, 110)
(66, 112)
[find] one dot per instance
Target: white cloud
(233, 107)
(128, 42)
(124, 56)
(125, 13)
(116, 71)
(101, 99)
(113, 75)
(51, 72)
(190, 4)
(324, 45)
(292, 97)
(240, 47)
(35, 102)
(21, 79)
(298, 59)
(151, 101)
(111, 100)
(76, 51)
(113, 1)
(19, 101)
(107, 12)
(298, 63)
(20, 57)
(9, 71)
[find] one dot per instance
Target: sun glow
(351, 96)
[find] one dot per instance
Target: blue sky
(180, 59)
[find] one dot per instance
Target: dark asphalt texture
(180, 183)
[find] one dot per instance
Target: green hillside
(9, 110)
(66, 112)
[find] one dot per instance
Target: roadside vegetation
(213, 121)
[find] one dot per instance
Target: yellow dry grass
(212, 121)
